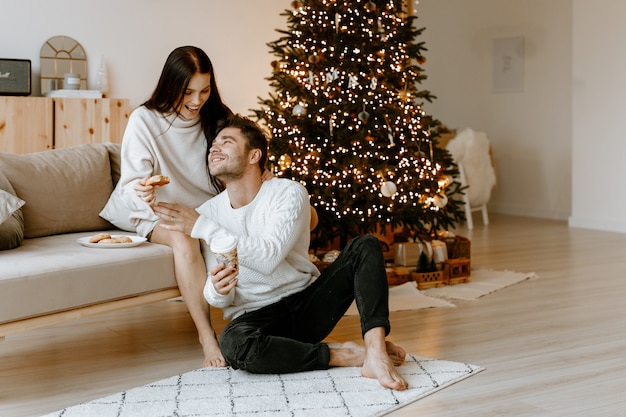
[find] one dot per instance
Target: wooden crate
(398, 276)
(434, 279)
(459, 270)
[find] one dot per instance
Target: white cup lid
(223, 244)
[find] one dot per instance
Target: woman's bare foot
(212, 353)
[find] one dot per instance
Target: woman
(170, 134)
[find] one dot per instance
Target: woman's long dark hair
(181, 64)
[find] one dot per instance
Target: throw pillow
(64, 189)
(9, 204)
(11, 228)
(115, 157)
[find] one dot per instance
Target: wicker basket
(434, 279)
(458, 247)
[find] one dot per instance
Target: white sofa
(49, 277)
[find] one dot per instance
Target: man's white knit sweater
(273, 241)
(158, 144)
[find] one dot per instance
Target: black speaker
(14, 77)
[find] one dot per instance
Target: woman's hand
(224, 278)
(176, 217)
(146, 192)
(267, 175)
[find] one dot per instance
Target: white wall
(530, 131)
(567, 123)
(136, 36)
(599, 110)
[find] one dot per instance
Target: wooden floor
(551, 346)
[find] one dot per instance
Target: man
(281, 309)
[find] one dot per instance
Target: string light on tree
(346, 119)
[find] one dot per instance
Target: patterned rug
(227, 392)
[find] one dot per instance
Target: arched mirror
(62, 55)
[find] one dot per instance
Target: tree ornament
(296, 4)
(388, 188)
(445, 181)
(299, 110)
(404, 95)
(284, 162)
(364, 116)
(440, 200)
(334, 92)
(315, 59)
(353, 82)
(370, 6)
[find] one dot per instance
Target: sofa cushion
(56, 273)
(64, 189)
(11, 218)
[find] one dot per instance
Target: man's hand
(224, 278)
(176, 217)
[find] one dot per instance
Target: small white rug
(482, 282)
(407, 297)
(212, 392)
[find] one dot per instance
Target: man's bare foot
(346, 354)
(212, 353)
(396, 353)
(381, 358)
(380, 366)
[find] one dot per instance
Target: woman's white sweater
(158, 144)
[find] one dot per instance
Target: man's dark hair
(251, 131)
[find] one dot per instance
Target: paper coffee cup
(225, 250)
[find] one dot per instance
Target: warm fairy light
(346, 117)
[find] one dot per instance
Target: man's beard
(227, 174)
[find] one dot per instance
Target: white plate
(136, 241)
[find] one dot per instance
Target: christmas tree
(346, 120)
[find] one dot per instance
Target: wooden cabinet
(31, 124)
(26, 124)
